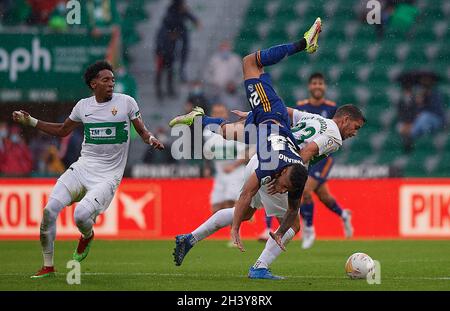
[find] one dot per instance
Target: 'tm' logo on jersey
(106, 133)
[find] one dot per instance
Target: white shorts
(274, 205)
(82, 186)
(227, 187)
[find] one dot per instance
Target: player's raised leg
(275, 54)
(59, 198)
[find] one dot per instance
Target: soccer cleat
(347, 220)
(264, 236)
(188, 118)
(182, 247)
(262, 273)
(83, 248)
(308, 237)
(44, 272)
(312, 35)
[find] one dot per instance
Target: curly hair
(93, 70)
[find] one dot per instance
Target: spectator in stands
(54, 164)
(224, 77)
(4, 132)
(175, 21)
(17, 159)
(165, 56)
(164, 156)
(197, 96)
(224, 71)
(38, 145)
(71, 147)
(420, 112)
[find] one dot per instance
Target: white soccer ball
(359, 266)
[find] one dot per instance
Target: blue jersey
(276, 147)
(326, 109)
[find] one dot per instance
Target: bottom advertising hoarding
(161, 209)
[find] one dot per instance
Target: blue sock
(335, 208)
(209, 120)
(268, 222)
(276, 53)
(307, 212)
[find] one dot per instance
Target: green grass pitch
(211, 265)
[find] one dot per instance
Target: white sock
(344, 214)
(48, 230)
(48, 259)
(272, 250)
(219, 220)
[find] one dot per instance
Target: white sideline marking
(232, 275)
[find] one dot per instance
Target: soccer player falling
(93, 179)
(313, 137)
(318, 173)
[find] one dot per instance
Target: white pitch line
(234, 275)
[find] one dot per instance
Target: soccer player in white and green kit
(93, 179)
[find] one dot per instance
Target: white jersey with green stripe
(309, 127)
(106, 134)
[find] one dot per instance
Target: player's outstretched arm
(288, 221)
(146, 135)
(54, 129)
(309, 151)
(242, 208)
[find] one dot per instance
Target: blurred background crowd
(173, 55)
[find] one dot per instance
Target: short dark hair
(298, 177)
(316, 75)
(350, 110)
(93, 70)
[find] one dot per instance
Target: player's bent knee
(81, 215)
(49, 216)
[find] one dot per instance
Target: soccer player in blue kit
(281, 163)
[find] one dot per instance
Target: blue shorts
(264, 101)
(321, 170)
(265, 104)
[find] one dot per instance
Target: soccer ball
(359, 266)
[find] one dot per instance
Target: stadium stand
(360, 70)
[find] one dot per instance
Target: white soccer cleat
(308, 237)
(347, 220)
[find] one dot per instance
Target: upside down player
(278, 160)
(318, 173)
(94, 178)
(308, 128)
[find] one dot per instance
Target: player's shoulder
(333, 130)
(302, 102)
(329, 103)
(122, 96)
(86, 100)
